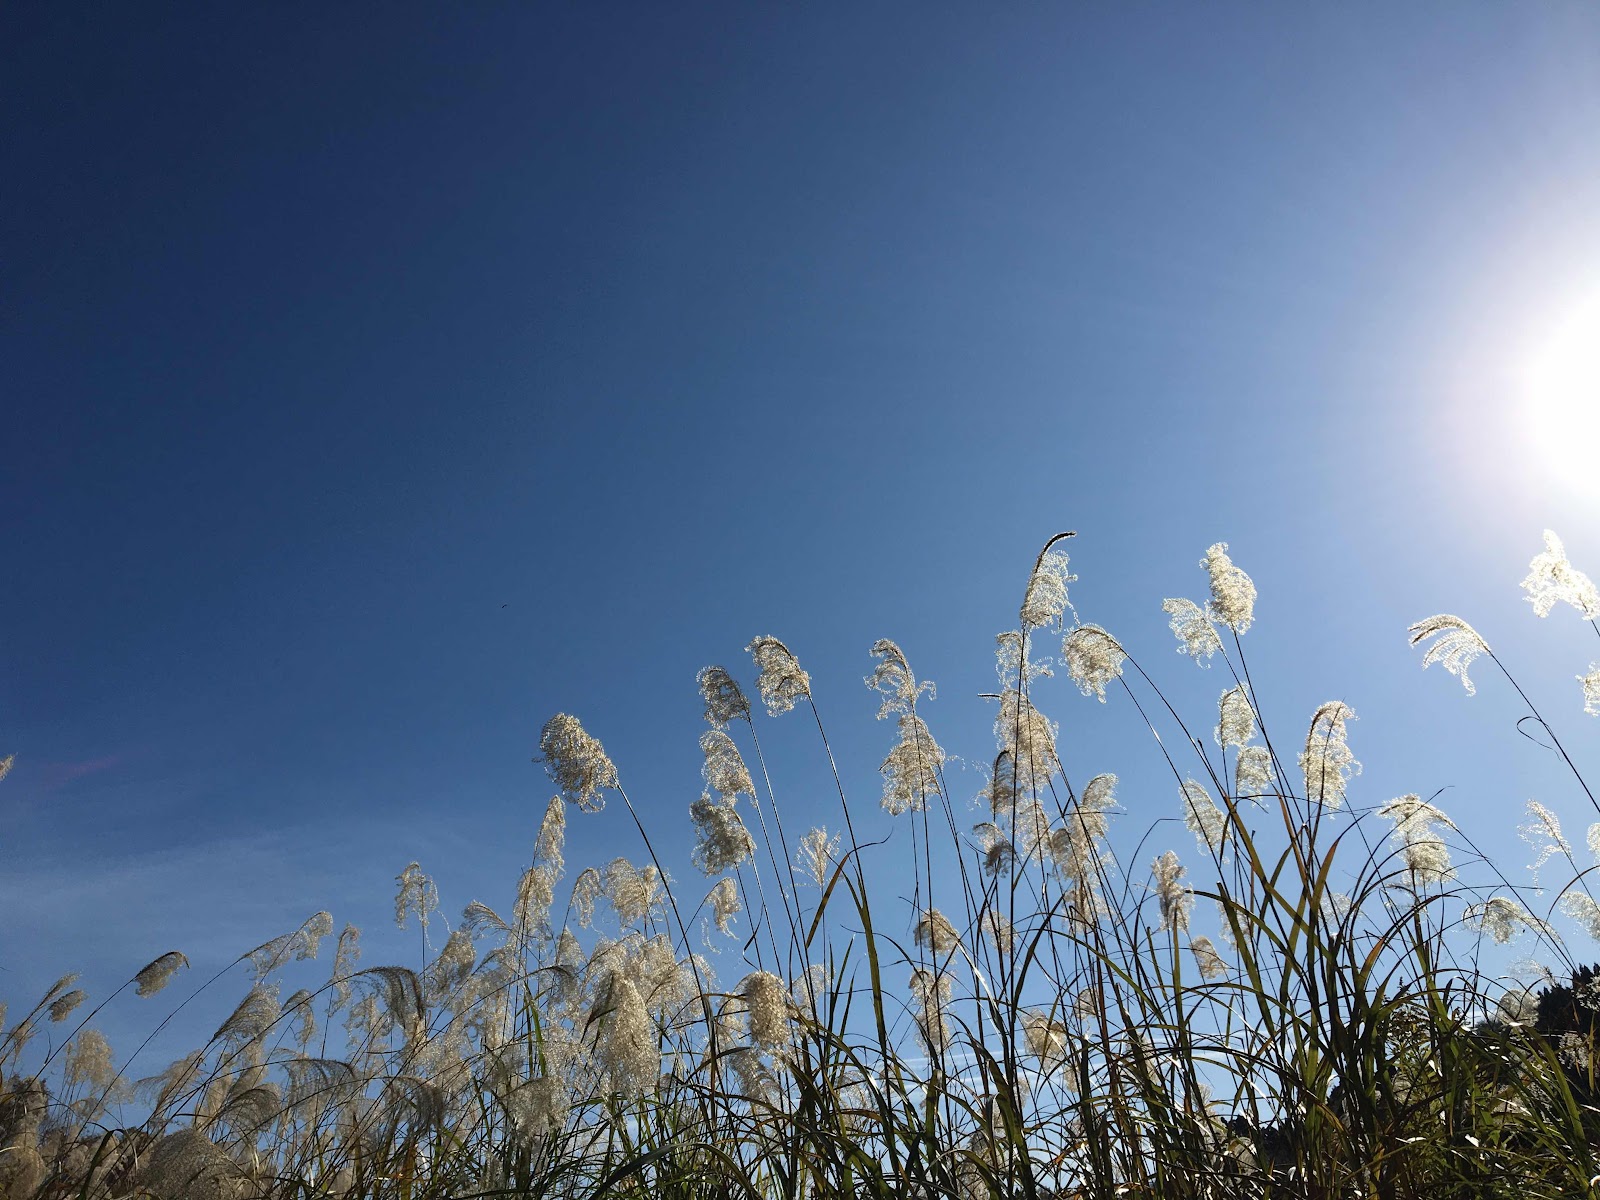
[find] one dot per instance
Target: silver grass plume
(1205, 820)
(256, 1014)
(155, 975)
(723, 841)
(1422, 850)
(999, 854)
(724, 899)
(1197, 636)
(817, 854)
(1045, 1038)
(1253, 774)
(299, 1007)
(1176, 900)
(1207, 959)
(416, 894)
(576, 763)
(935, 932)
(1552, 580)
(548, 846)
(724, 767)
(911, 771)
(1046, 596)
(1022, 732)
(625, 1040)
(724, 699)
(1582, 908)
(892, 678)
(633, 891)
(1591, 690)
(767, 1002)
(89, 1061)
(536, 892)
(994, 926)
(63, 1005)
(345, 956)
(1542, 831)
(6, 764)
(586, 889)
(1501, 917)
(930, 996)
(781, 681)
(1236, 720)
(1326, 761)
(1093, 659)
(1455, 644)
(1233, 595)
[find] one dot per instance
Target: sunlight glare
(1563, 400)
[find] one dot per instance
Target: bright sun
(1563, 399)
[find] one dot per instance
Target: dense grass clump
(1054, 1024)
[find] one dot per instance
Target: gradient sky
(379, 381)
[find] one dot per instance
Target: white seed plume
(998, 930)
(345, 956)
(725, 905)
(89, 1061)
(781, 681)
(586, 889)
(1253, 774)
(1542, 831)
(64, 1005)
(1206, 957)
(1197, 636)
(767, 1001)
(1046, 597)
(911, 771)
(724, 767)
(723, 841)
(1205, 820)
(1326, 761)
(724, 698)
(157, 974)
(1045, 1038)
(625, 1040)
(1552, 579)
(547, 848)
(1591, 690)
(576, 763)
(893, 680)
(1027, 740)
(1582, 909)
(1455, 644)
(1233, 595)
(1236, 720)
(1500, 917)
(1176, 900)
(416, 894)
(935, 932)
(816, 855)
(536, 892)
(1422, 851)
(633, 891)
(1093, 659)
(930, 995)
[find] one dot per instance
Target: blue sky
(378, 384)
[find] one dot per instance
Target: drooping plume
(911, 770)
(1093, 659)
(576, 763)
(1327, 762)
(1236, 720)
(1204, 819)
(1455, 644)
(1046, 597)
(1233, 595)
(724, 698)
(1422, 851)
(1552, 580)
(1175, 899)
(781, 682)
(1197, 636)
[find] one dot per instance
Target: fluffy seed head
(1582, 909)
(893, 680)
(1542, 831)
(345, 956)
(62, 1007)
(1422, 851)
(1552, 579)
(935, 932)
(1252, 773)
(930, 995)
(416, 894)
(998, 930)
(1499, 916)
(724, 698)
(724, 768)
(625, 1039)
(586, 889)
(1233, 595)
(1205, 820)
(1046, 597)
(767, 1001)
(911, 771)
(1045, 1038)
(1176, 900)
(576, 763)
(1093, 659)
(1591, 690)
(725, 904)
(1027, 741)
(723, 841)
(1236, 720)
(1206, 957)
(816, 855)
(1197, 636)
(552, 838)
(1455, 644)
(89, 1061)
(781, 682)
(1326, 761)
(633, 891)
